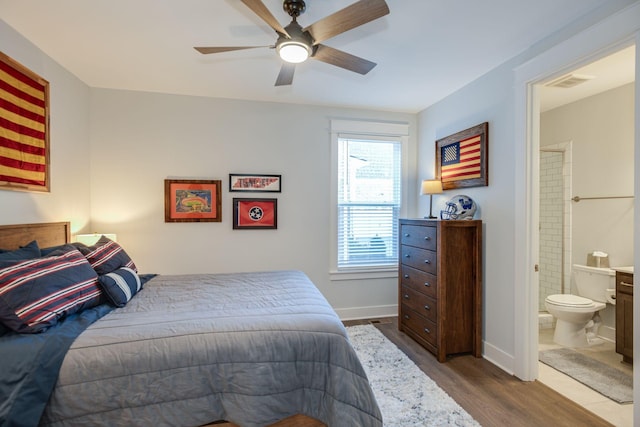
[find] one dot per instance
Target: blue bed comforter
(29, 365)
(250, 348)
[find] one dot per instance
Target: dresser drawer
(420, 325)
(421, 259)
(419, 302)
(624, 283)
(419, 280)
(420, 236)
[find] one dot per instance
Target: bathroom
(586, 197)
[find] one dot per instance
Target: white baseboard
(498, 357)
(608, 333)
(493, 354)
(355, 313)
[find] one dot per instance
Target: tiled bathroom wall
(555, 221)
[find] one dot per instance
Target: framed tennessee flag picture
(254, 214)
(462, 158)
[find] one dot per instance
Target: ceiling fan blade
(261, 10)
(285, 77)
(343, 59)
(218, 49)
(352, 16)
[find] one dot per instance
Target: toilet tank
(592, 282)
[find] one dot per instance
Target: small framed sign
(255, 183)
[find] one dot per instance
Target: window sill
(364, 273)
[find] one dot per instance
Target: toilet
(577, 321)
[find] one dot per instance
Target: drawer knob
(427, 330)
(406, 276)
(427, 284)
(406, 234)
(406, 296)
(427, 238)
(426, 307)
(406, 316)
(427, 261)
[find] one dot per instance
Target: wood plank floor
(490, 395)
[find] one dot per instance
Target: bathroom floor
(617, 414)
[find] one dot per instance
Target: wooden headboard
(46, 233)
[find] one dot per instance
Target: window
(368, 190)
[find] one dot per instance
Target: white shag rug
(406, 396)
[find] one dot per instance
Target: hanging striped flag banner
(461, 159)
(24, 123)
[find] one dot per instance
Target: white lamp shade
(431, 186)
(91, 239)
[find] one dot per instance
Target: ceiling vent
(569, 80)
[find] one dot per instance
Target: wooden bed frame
(59, 233)
(47, 234)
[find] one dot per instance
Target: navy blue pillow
(47, 251)
(120, 285)
(36, 293)
(29, 251)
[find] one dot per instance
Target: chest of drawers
(440, 285)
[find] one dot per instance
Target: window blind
(369, 198)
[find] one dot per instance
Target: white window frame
(356, 129)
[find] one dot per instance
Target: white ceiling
(425, 49)
(612, 71)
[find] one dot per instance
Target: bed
(252, 349)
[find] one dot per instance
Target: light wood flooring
(490, 395)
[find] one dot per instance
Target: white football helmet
(459, 207)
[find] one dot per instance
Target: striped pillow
(106, 256)
(120, 285)
(35, 294)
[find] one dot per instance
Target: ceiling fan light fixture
(294, 51)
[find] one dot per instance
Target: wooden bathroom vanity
(624, 313)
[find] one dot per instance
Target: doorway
(610, 35)
(571, 227)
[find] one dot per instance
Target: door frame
(616, 32)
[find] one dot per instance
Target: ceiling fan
(296, 44)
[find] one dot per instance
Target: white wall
(69, 143)
(601, 128)
(140, 139)
(487, 99)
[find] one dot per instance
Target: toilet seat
(569, 300)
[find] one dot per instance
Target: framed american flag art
(24, 128)
(462, 159)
